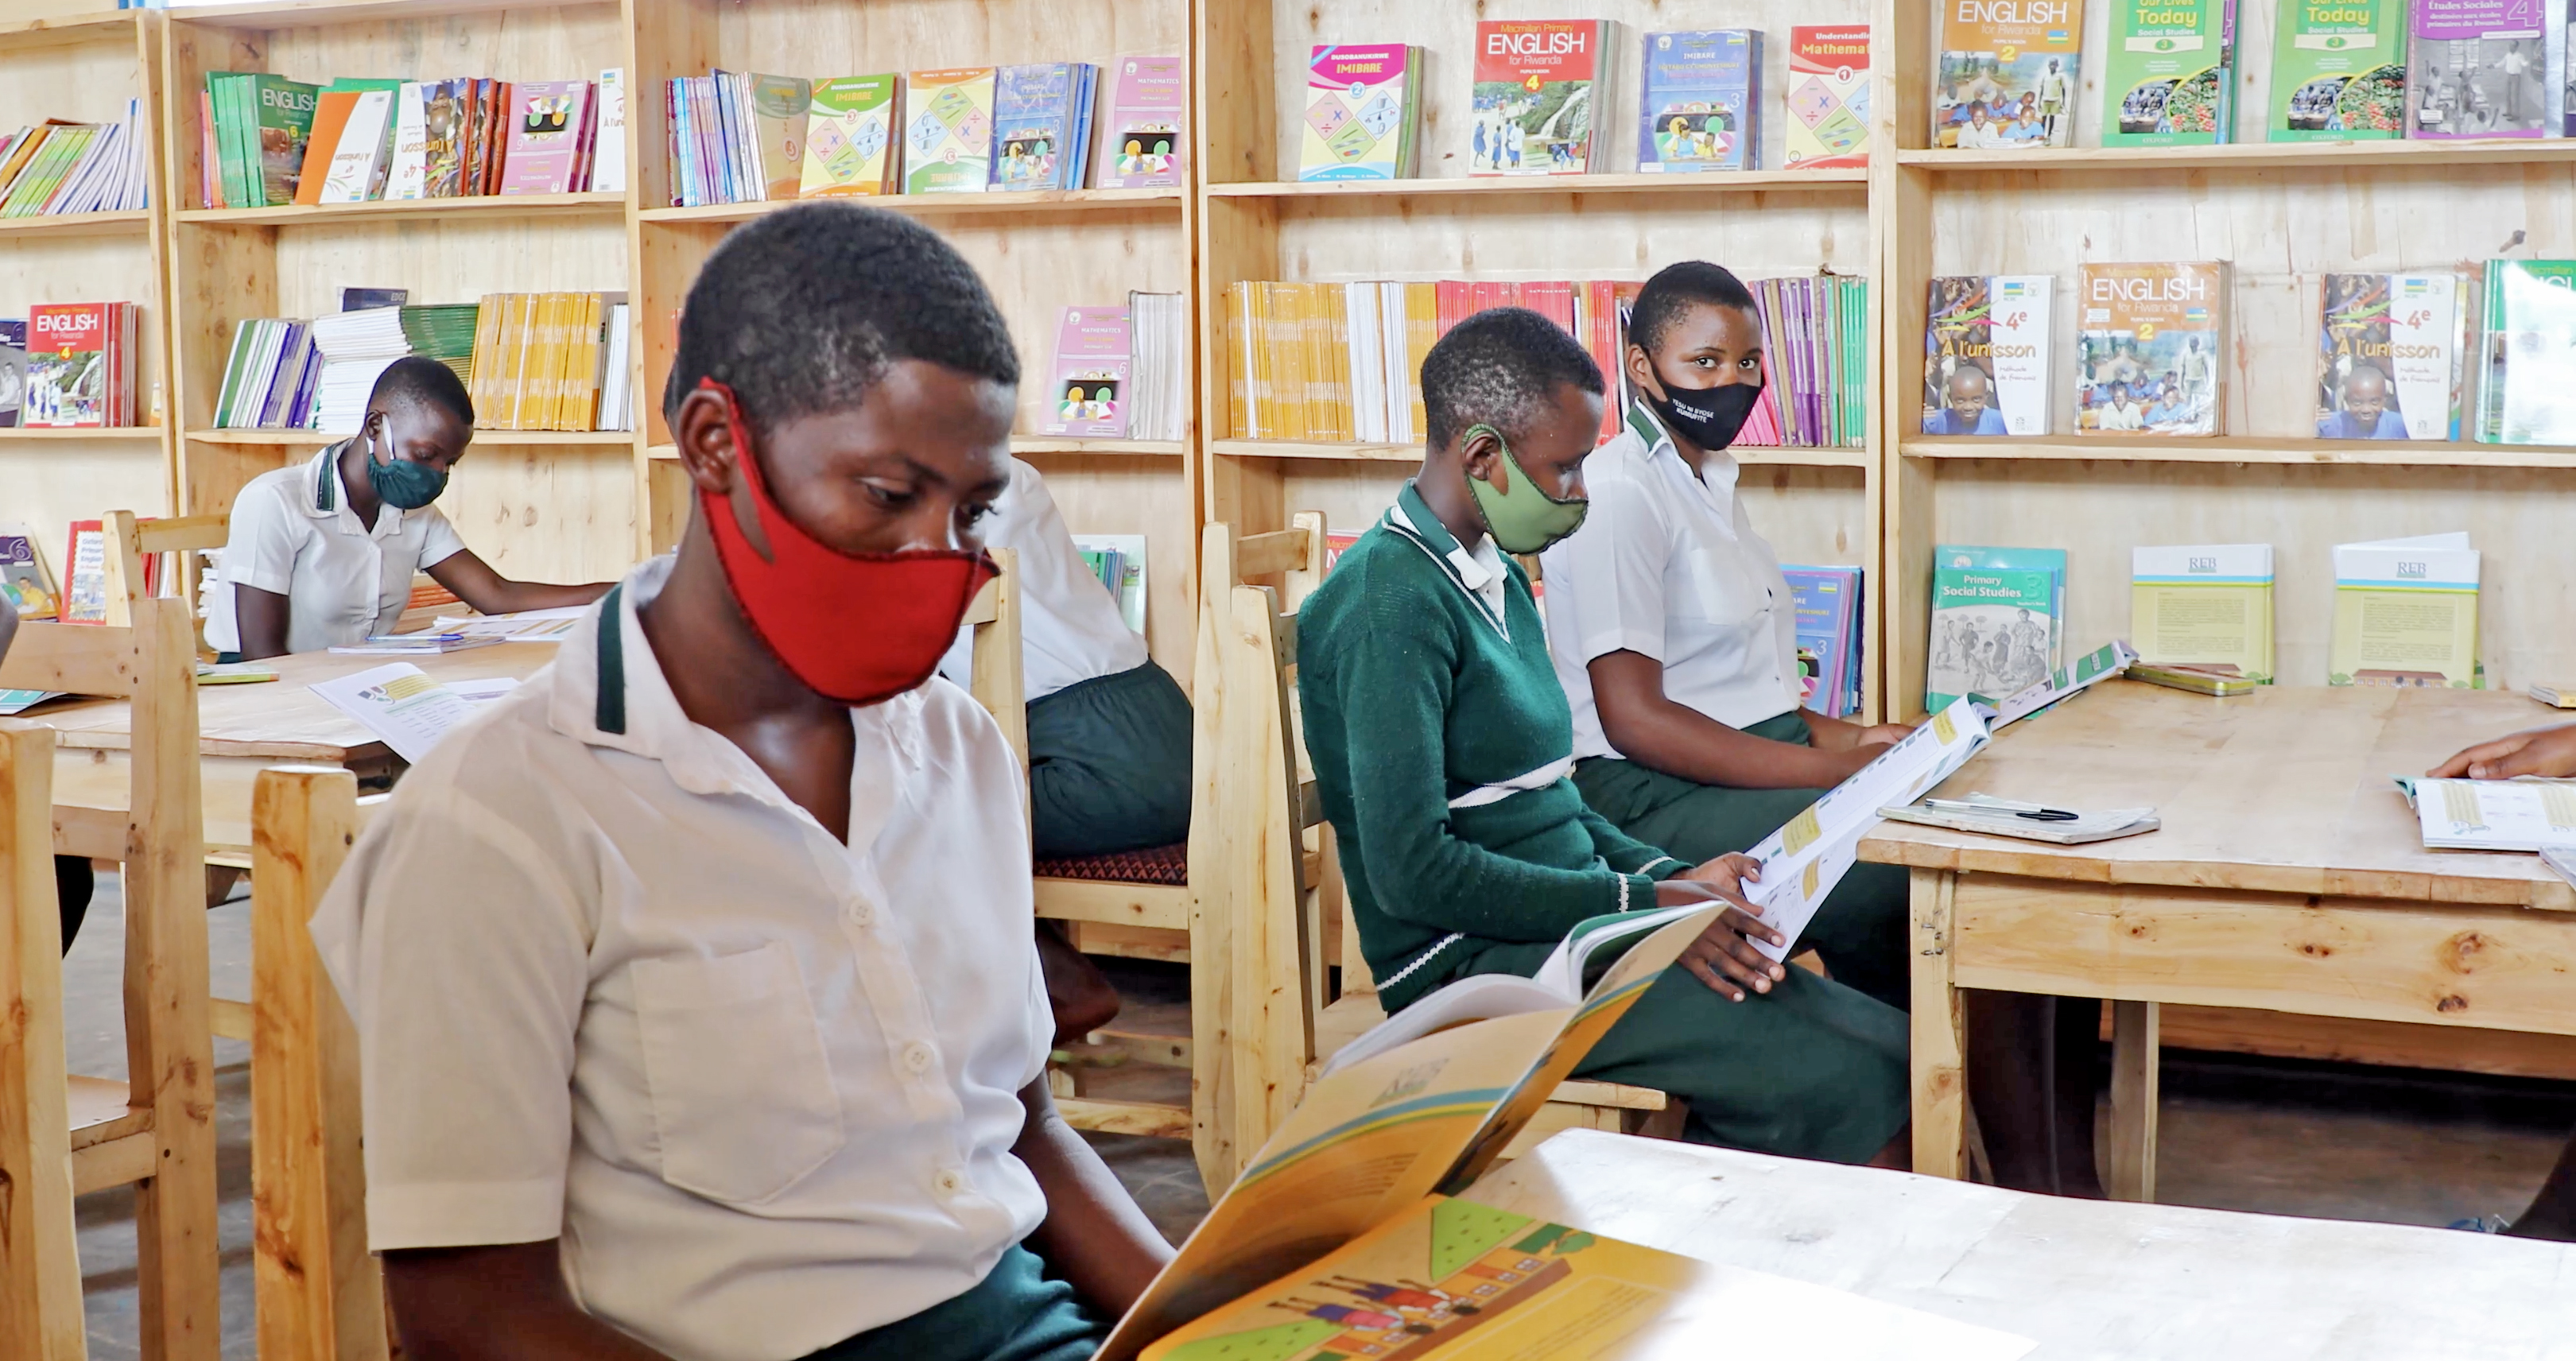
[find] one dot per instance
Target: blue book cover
(1033, 115)
(1080, 137)
(1827, 604)
(1700, 107)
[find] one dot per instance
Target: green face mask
(1522, 518)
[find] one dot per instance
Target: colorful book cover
(285, 120)
(2206, 606)
(1538, 84)
(1827, 603)
(1089, 392)
(445, 115)
(1701, 106)
(2406, 614)
(2529, 392)
(2339, 71)
(357, 162)
(1828, 97)
(24, 578)
(2169, 77)
(1986, 348)
(2389, 351)
(1360, 110)
(2479, 69)
(407, 174)
(2008, 75)
(85, 574)
(67, 365)
(2150, 348)
(545, 123)
(1148, 102)
(780, 114)
(849, 137)
(13, 369)
(1033, 114)
(1992, 630)
(948, 133)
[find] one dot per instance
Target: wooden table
(2289, 876)
(2087, 1279)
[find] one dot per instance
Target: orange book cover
(330, 118)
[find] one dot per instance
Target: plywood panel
(833, 38)
(538, 513)
(87, 82)
(541, 42)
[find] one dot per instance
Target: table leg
(1940, 1034)
(2133, 1100)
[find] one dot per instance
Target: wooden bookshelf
(1789, 181)
(1035, 203)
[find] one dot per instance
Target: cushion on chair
(1169, 865)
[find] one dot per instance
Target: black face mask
(1707, 417)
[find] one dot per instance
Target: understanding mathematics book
(2169, 75)
(1828, 97)
(2338, 71)
(2150, 346)
(1985, 355)
(948, 135)
(2389, 350)
(2008, 74)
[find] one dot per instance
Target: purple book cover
(1089, 395)
(2479, 69)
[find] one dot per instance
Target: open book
(1339, 1240)
(2523, 814)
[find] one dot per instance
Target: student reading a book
(692, 981)
(1442, 743)
(1674, 636)
(322, 553)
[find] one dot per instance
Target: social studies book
(948, 131)
(1036, 144)
(2207, 606)
(1986, 348)
(1148, 117)
(1540, 88)
(1088, 395)
(2527, 394)
(1990, 630)
(2338, 71)
(13, 369)
(2008, 74)
(24, 578)
(1828, 97)
(849, 137)
(2479, 69)
(2170, 75)
(1701, 108)
(2390, 348)
(1362, 104)
(2405, 613)
(2150, 348)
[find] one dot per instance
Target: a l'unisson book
(1996, 620)
(2008, 74)
(1701, 106)
(24, 579)
(2528, 394)
(849, 137)
(2406, 613)
(2170, 73)
(2150, 348)
(1828, 97)
(1087, 399)
(948, 131)
(1986, 348)
(2204, 606)
(1148, 103)
(1362, 105)
(1540, 86)
(2479, 68)
(2338, 71)
(1041, 122)
(2390, 349)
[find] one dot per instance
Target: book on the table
(1986, 349)
(2406, 613)
(2008, 75)
(16, 702)
(2338, 71)
(2495, 815)
(527, 626)
(398, 702)
(2555, 696)
(235, 673)
(414, 644)
(2083, 829)
(2170, 73)
(2390, 350)
(2206, 606)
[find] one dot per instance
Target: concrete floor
(2283, 1138)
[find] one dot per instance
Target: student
(322, 552)
(2121, 412)
(1673, 634)
(1442, 745)
(74, 880)
(695, 1007)
(1968, 410)
(2365, 413)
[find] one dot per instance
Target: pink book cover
(1089, 397)
(545, 125)
(1144, 147)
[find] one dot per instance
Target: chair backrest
(130, 542)
(996, 680)
(40, 1285)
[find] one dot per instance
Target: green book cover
(1992, 631)
(2338, 71)
(284, 119)
(2529, 396)
(220, 87)
(2170, 73)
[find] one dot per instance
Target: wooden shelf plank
(2246, 449)
(308, 13)
(1718, 182)
(1036, 201)
(137, 223)
(1023, 444)
(113, 434)
(1412, 453)
(67, 29)
(493, 206)
(2247, 156)
(315, 439)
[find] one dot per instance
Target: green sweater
(1415, 702)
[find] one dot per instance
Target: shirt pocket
(1730, 597)
(743, 1101)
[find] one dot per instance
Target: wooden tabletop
(282, 719)
(2286, 790)
(2086, 1279)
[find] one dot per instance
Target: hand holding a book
(2542, 751)
(1723, 957)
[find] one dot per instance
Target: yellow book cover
(2406, 613)
(849, 144)
(529, 361)
(1238, 361)
(584, 413)
(502, 409)
(1333, 351)
(487, 342)
(2207, 606)
(1421, 331)
(537, 385)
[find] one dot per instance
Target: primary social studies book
(1992, 628)
(2527, 394)
(1148, 103)
(849, 137)
(1701, 106)
(1828, 97)
(2405, 613)
(2150, 348)
(2170, 75)
(2479, 69)
(2390, 350)
(948, 131)
(1089, 394)
(2338, 71)
(1986, 347)
(2008, 74)
(1361, 106)
(2205, 606)
(1540, 88)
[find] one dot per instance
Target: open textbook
(1340, 1240)
(404, 708)
(2526, 814)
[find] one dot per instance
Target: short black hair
(1498, 368)
(417, 378)
(1676, 289)
(803, 310)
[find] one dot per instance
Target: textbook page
(400, 704)
(2495, 815)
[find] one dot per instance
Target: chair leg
(40, 1288)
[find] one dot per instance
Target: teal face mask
(402, 483)
(1522, 518)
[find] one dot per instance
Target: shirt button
(863, 913)
(949, 1182)
(917, 1057)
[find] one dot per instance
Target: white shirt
(293, 533)
(618, 988)
(1070, 628)
(1667, 566)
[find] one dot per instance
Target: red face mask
(854, 627)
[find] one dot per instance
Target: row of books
(552, 361)
(2352, 70)
(269, 141)
(69, 366)
(1120, 372)
(548, 361)
(739, 137)
(56, 168)
(1542, 88)
(2152, 351)
(1341, 362)
(1119, 561)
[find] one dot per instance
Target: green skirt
(1014, 1314)
(1109, 765)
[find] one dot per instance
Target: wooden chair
(155, 1132)
(40, 1287)
(130, 541)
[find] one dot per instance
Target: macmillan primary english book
(2150, 348)
(1828, 97)
(73, 355)
(2338, 71)
(849, 137)
(1701, 106)
(2479, 69)
(281, 119)
(2528, 393)
(1148, 99)
(1540, 88)
(2170, 75)
(2389, 357)
(948, 131)
(2008, 74)
(1986, 347)
(1361, 106)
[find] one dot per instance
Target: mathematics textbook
(1701, 107)
(1828, 97)
(1089, 394)
(1147, 103)
(2170, 75)
(948, 131)
(2008, 74)
(2338, 71)
(2390, 350)
(2151, 346)
(1986, 346)
(849, 137)
(1361, 106)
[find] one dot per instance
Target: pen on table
(1978, 804)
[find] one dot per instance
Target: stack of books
(270, 379)
(80, 360)
(56, 168)
(286, 374)
(1829, 637)
(551, 361)
(268, 141)
(1158, 330)
(1119, 561)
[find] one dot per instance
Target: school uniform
(612, 986)
(293, 534)
(1109, 729)
(1668, 565)
(1442, 747)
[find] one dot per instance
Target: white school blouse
(293, 533)
(612, 986)
(1070, 628)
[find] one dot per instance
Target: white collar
(329, 500)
